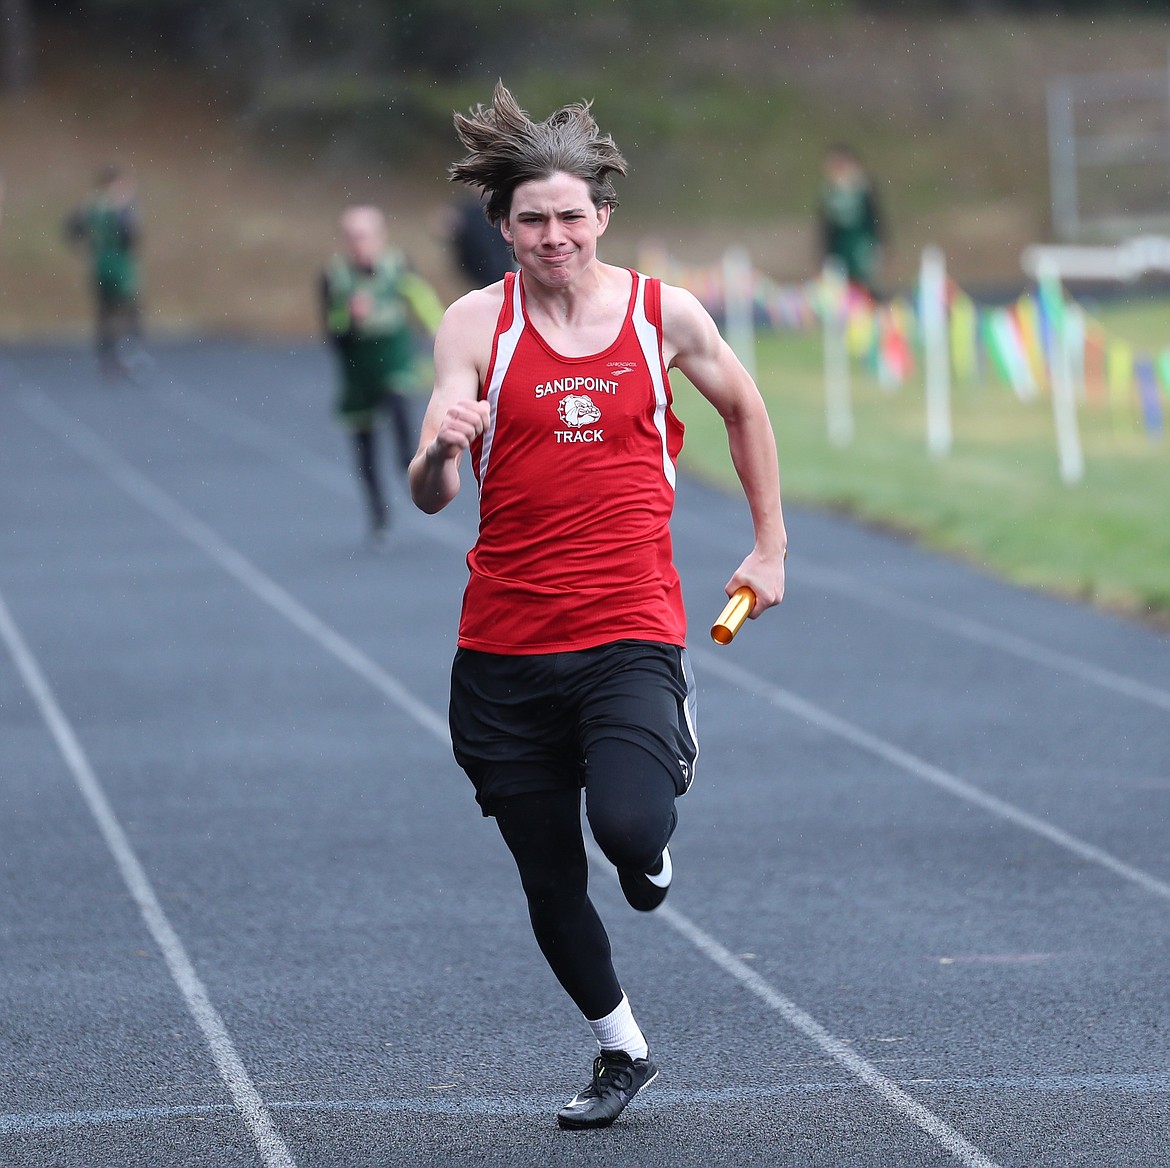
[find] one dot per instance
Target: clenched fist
(462, 424)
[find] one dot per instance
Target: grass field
(998, 499)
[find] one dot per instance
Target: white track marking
(227, 422)
(99, 454)
(143, 491)
(515, 1105)
(984, 634)
(238, 426)
(231, 1068)
(910, 763)
(840, 1052)
(886, 1089)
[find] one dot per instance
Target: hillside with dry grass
(725, 136)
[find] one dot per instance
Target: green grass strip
(996, 501)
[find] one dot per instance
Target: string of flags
(1017, 344)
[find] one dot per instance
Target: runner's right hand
(461, 425)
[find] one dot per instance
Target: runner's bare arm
(455, 416)
(692, 344)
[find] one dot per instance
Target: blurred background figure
(851, 228)
(480, 250)
(375, 309)
(107, 225)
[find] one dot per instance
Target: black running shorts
(525, 722)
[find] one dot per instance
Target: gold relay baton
(733, 615)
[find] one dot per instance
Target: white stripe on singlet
(505, 351)
(651, 344)
(648, 341)
(689, 709)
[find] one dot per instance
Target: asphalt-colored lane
(357, 924)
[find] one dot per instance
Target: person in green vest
(851, 227)
(107, 225)
(375, 307)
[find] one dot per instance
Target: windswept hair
(508, 148)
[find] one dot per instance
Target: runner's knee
(630, 802)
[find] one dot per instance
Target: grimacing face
(553, 227)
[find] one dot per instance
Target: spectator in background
(481, 251)
(107, 225)
(851, 227)
(374, 307)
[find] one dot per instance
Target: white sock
(618, 1031)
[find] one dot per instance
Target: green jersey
(376, 348)
(111, 232)
(851, 229)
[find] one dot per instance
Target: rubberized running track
(251, 915)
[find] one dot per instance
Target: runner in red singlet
(571, 672)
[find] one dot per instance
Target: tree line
(247, 44)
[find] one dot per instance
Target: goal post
(1109, 153)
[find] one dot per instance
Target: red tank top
(576, 473)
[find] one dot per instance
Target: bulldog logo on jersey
(579, 411)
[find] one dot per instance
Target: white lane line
(231, 1068)
(984, 634)
(661, 1098)
(143, 491)
(97, 452)
(942, 1133)
(225, 421)
(840, 1052)
(910, 763)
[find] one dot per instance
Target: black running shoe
(617, 1078)
(647, 890)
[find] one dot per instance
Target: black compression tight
(543, 832)
(629, 799)
(630, 803)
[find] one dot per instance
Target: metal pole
(838, 406)
(739, 306)
(932, 292)
(1064, 405)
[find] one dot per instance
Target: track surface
(252, 916)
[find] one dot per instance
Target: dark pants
(118, 319)
(532, 732)
(397, 407)
(630, 805)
